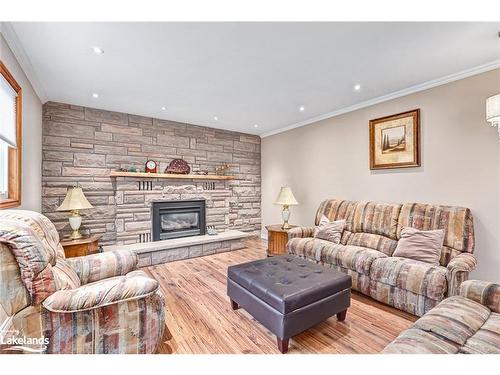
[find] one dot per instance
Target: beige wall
(460, 162)
(32, 133)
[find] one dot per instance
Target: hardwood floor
(200, 318)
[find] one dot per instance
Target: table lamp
(75, 200)
(286, 199)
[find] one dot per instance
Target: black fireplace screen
(174, 219)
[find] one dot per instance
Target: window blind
(7, 113)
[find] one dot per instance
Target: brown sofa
(371, 236)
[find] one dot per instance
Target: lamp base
(75, 235)
(75, 220)
(285, 214)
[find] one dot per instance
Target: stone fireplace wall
(83, 145)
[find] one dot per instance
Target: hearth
(175, 219)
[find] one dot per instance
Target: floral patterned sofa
(93, 304)
(468, 323)
(371, 236)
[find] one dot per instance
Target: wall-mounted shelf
(170, 176)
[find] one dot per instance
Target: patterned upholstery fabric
(483, 292)
(335, 209)
(407, 274)
(459, 324)
(43, 227)
(355, 258)
(416, 341)
(32, 258)
(65, 277)
(13, 294)
(117, 309)
(368, 243)
(103, 292)
(486, 340)
(456, 221)
(301, 232)
(100, 266)
(132, 326)
(458, 271)
(373, 241)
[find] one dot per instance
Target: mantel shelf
(170, 176)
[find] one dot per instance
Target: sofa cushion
(13, 294)
(355, 258)
(377, 242)
(455, 319)
(422, 245)
(408, 274)
(457, 223)
(330, 230)
(376, 218)
(42, 226)
(416, 341)
(486, 340)
(336, 209)
(31, 256)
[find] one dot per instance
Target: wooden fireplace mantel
(170, 176)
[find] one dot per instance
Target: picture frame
(395, 141)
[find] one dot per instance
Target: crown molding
(397, 94)
(15, 45)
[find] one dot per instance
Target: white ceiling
(246, 73)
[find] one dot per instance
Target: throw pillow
(422, 245)
(331, 231)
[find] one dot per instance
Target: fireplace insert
(175, 219)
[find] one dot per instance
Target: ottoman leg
(282, 345)
(234, 305)
(341, 315)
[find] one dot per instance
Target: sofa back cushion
(13, 294)
(42, 226)
(457, 223)
(31, 256)
(368, 224)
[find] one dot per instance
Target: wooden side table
(277, 239)
(81, 246)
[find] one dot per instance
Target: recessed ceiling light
(357, 87)
(216, 118)
(163, 108)
(302, 108)
(97, 50)
(95, 95)
(256, 125)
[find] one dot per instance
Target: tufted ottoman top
(288, 283)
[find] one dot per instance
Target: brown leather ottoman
(288, 295)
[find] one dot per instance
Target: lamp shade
(74, 200)
(285, 197)
(493, 110)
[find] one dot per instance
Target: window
(10, 139)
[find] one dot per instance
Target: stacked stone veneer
(83, 145)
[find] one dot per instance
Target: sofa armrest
(458, 270)
(100, 266)
(484, 292)
(301, 232)
(122, 315)
(101, 293)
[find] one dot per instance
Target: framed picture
(395, 141)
